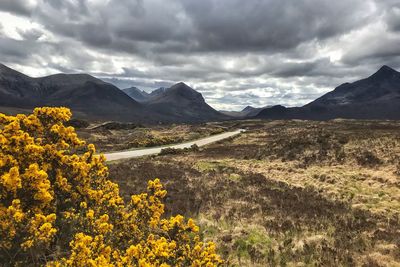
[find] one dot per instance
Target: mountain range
(94, 99)
(87, 96)
(247, 112)
(179, 102)
(375, 97)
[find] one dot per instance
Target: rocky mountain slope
(93, 99)
(87, 96)
(184, 104)
(375, 97)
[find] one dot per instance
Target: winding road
(156, 150)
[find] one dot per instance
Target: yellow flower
(11, 180)
(69, 211)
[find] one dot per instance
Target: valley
(287, 192)
(316, 185)
(200, 133)
(111, 136)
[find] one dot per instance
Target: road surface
(156, 150)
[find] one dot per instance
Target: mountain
(157, 92)
(93, 99)
(87, 96)
(375, 97)
(183, 103)
(248, 111)
(381, 87)
(136, 94)
(233, 114)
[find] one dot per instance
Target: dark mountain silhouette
(376, 97)
(92, 98)
(233, 114)
(136, 94)
(248, 111)
(87, 96)
(157, 92)
(183, 103)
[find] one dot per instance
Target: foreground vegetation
(58, 207)
(294, 193)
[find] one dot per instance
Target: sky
(235, 52)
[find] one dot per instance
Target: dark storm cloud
(209, 25)
(233, 51)
(393, 17)
(21, 7)
(270, 25)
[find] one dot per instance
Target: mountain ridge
(184, 103)
(86, 95)
(374, 97)
(93, 98)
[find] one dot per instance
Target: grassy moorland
(294, 193)
(116, 137)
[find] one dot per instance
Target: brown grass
(289, 193)
(123, 137)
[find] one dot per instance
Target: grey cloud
(393, 17)
(270, 25)
(373, 51)
(233, 51)
(31, 34)
(20, 7)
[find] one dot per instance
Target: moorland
(295, 193)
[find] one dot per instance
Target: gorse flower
(58, 207)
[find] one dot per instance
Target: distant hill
(87, 96)
(248, 111)
(136, 94)
(157, 92)
(376, 97)
(178, 103)
(143, 96)
(93, 99)
(182, 103)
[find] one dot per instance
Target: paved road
(156, 150)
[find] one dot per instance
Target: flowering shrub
(58, 207)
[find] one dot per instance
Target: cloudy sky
(235, 52)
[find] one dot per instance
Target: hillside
(183, 103)
(93, 99)
(376, 97)
(136, 94)
(87, 96)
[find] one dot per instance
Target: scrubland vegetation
(287, 193)
(284, 193)
(116, 137)
(58, 207)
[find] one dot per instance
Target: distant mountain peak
(136, 93)
(183, 90)
(386, 68)
(180, 86)
(248, 108)
(385, 72)
(184, 103)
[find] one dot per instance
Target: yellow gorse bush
(58, 208)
